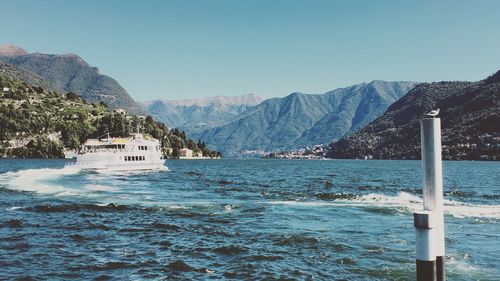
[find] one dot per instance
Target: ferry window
(125, 158)
(143, 158)
(135, 158)
(145, 148)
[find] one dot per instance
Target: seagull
(433, 113)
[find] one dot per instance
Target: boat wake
(405, 202)
(72, 182)
(41, 181)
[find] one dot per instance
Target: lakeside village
(188, 154)
(316, 152)
(462, 150)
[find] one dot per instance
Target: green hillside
(470, 117)
(39, 123)
(299, 120)
(71, 73)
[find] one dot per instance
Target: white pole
(429, 223)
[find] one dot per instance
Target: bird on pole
(433, 113)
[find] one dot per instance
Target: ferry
(136, 152)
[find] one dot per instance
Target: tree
(175, 152)
(72, 96)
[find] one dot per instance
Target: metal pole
(429, 223)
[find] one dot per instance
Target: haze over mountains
(300, 120)
(70, 73)
(194, 115)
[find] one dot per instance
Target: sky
(190, 49)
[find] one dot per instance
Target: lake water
(241, 219)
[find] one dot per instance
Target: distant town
(316, 152)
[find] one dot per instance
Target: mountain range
(470, 112)
(70, 73)
(470, 116)
(194, 115)
(299, 120)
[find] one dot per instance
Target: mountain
(70, 73)
(30, 78)
(194, 115)
(299, 120)
(470, 122)
(11, 50)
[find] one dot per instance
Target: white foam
(454, 208)
(404, 201)
(461, 265)
(33, 180)
(304, 203)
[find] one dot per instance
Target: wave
(36, 180)
(75, 207)
(230, 250)
(52, 181)
(404, 201)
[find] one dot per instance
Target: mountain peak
(247, 99)
(12, 50)
(71, 73)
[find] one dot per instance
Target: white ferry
(136, 152)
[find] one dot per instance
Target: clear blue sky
(187, 49)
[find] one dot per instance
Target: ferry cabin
(121, 153)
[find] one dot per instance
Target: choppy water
(241, 219)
